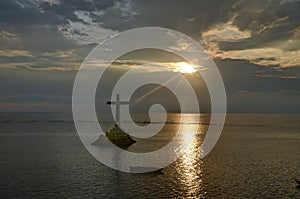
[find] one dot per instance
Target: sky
(255, 44)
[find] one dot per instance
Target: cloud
(8, 36)
(148, 66)
(273, 24)
(51, 2)
(59, 60)
(36, 66)
(43, 61)
(38, 61)
(126, 8)
(89, 26)
(25, 12)
(87, 31)
(15, 65)
(225, 32)
(264, 56)
(59, 54)
(282, 54)
(287, 1)
(15, 53)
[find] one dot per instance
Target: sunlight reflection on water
(187, 170)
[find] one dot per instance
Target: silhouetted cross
(117, 103)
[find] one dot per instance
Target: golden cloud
(263, 56)
(15, 53)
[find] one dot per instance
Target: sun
(184, 67)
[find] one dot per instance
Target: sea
(256, 156)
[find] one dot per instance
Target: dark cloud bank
(256, 45)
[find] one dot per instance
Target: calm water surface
(257, 156)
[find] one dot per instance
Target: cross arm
(114, 103)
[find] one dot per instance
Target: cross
(117, 103)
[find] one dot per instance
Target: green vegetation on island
(117, 136)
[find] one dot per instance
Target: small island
(117, 136)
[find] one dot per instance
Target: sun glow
(184, 67)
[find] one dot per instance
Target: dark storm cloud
(25, 13)
(268, 21)
(38, 24)
(190, 17)
(264, 18)
(30, 12)
(35, 30)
